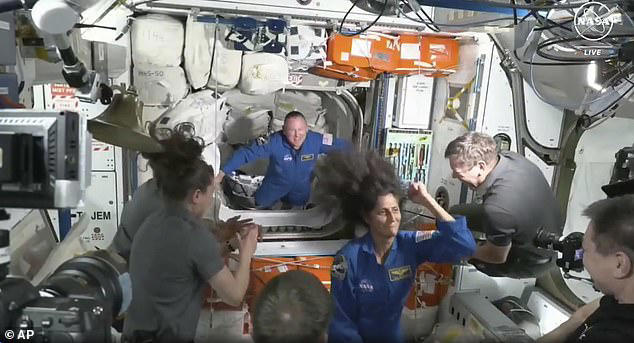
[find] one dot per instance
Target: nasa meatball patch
(339, 268)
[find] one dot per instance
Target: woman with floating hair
(174, 255)
(146, 199)
(372, 275)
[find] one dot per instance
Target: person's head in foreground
(294, 307)
(608, 246)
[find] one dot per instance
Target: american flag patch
(424, 235)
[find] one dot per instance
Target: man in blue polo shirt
(293, 153)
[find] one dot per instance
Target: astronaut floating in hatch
(293, 153)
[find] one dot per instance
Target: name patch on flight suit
(308, 157)
(400, 273)
(288, 158)
(339, 268)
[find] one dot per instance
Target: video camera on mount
(44, 159)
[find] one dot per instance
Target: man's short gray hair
(471, 148)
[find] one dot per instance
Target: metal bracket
(550, 156)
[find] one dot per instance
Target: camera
(76, 303)
(44, 159)
(570, 248)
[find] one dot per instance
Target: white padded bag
(248, 103)
(240, 129)
(157, 39)
(226, 63)
(197, 55)
(211, 155)
(305, 46)
(160, 85)
(263, 73)
(308, 103)
(204, 110)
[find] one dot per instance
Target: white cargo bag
(211, 155)
(205, 110)
(160, 85)
(226, 63)
(246, 103)
(263, 73)
(240, 129)
(197, 53)
(308, 103)
(306, 46)
(157, 39)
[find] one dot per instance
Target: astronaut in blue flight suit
(293, 153)
(372, 275)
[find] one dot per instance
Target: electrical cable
(548, 64)
(462, 25)
(525, 17)
(89, 26)
(537, 92)
(419, 20)
(418, 214)
(558, 40)
(365, 28)
(430, 25)
(539, 7)
(554, 24)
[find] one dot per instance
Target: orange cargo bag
(441, 53)
(434, 56)
(377, 51)
(344, 72)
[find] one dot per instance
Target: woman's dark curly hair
(354, 180)
(179, 169)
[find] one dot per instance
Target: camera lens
(94, 275)
(547, 240)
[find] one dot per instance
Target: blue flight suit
(369, 297)
(289, 172)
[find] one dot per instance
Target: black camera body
(76, 304)
(66, 320)
(569, 246)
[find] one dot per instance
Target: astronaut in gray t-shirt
(517, 202)
(174, 255)
(145, 201)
